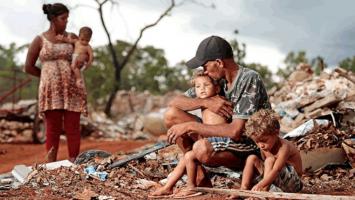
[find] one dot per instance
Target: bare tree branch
(133, 48)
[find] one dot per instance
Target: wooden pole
(277, 195)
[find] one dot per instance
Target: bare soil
(29, 154)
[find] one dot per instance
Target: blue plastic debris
(91, 171)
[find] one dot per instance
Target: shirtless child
(83, 55)
(205, 87)
(280, 162)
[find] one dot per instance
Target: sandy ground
(29, 154)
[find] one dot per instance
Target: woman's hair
(54, 10)
(200, 73)
(264, 122)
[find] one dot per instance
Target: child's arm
(67, 39)
(279, 163)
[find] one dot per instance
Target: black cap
(211, 48)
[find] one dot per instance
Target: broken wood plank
(326, 101)
(138, 155)
(342, 72)
(278, 195)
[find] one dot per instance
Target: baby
(83, 55)
(205, 87)
(280, 163)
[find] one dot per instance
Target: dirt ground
(68, 183)
(29, 154)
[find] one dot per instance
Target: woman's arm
(32, 56)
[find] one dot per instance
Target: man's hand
(220, 106)
(178, 130)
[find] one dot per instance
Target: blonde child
(205, 87)
(280, 163)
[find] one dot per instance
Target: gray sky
(270, 29)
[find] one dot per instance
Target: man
(245, 93)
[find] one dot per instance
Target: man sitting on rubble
(245, 93)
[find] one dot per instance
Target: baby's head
(85, 35)
(204, 85)
(264, 128)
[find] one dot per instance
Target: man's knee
(203, 150)
(170, 116)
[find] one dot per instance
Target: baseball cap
(211, 48)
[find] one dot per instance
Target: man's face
(213, 69)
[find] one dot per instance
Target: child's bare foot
(186, 193)
(161, 192)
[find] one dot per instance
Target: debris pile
(330, 180)
(134, 180)
(17, 121)
(300, 100)
(321, 136)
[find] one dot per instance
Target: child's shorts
(241, 148)
(288, 180)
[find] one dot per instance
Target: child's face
(204, 87)
(266, 142)
(84, 40)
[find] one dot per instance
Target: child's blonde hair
(264, 122)
(200, 73)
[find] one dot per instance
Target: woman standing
(60, 100)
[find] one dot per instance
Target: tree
(318, 64)
(348, 64)
(147, 70)
(291, 61)
(11, 73)
(119, 64)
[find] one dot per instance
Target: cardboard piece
(319, 158)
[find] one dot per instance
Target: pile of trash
(95, 179)
(301, 99)
(17, 121)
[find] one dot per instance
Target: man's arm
(216, 104)
(280, 163)
(232, 130)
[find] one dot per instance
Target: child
(83, 55)
(280, 162)
(205, 87)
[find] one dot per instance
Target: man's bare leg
(176, 116)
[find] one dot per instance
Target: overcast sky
(270, 29)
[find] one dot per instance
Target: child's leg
(75, 67)
(190, 159)
(252, 162)
(191, 170)
(173, 178)
(269, 164)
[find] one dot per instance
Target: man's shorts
(241, 148)
(288, 180)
